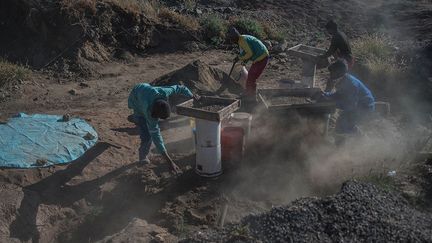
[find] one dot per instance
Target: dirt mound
(360, 212)
(139, 230)
(202, 79)
(71, 35)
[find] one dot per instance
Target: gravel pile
(360, 213)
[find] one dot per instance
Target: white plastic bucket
(243, 77)
(193, 132)
(208, 161)
(243, 120)
(207, 133)
(240, 74)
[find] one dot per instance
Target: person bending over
(251, 49)
(149, 104)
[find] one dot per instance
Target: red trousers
(254, 73)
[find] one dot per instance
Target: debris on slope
(70, 38)
(139, 230)
(360, 212)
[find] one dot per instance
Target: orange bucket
(232, 143)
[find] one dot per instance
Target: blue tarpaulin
(29, 141)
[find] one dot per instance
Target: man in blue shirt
(149, 104)
(351, 96)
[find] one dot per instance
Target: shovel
(232, 68)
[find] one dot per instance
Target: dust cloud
(288, 157)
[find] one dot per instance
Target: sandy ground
(101, 193)
(106, 195)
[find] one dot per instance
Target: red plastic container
(232, 143)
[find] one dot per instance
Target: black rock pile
(361, 212)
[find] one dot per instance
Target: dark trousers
(348, 120)
(146, 141)
(253, 74)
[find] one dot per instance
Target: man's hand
(174, 167)
(318, 95)
(196, 97)
(176, 170)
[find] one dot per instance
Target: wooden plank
(263, 100)
(266, 94)
(225, 112)
(306, 52)
(186, 108)
(288, 92)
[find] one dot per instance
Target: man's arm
(178, 89)
(345, 98)
(332, 49)
(247, 51)
(157, 139)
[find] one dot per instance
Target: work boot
(144, 161)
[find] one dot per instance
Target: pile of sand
(200, 78)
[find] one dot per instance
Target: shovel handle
(232, 68)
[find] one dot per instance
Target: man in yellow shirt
(251, 49)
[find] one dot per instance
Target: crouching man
(150, 104)
(351, 96)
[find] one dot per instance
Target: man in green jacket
(149, 104)
(251, 49)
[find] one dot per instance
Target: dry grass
(185, 21)
(149, 8)
(190, 4)
(10, 72)
(377, 54)
(79, 6)
(273, 32)
(373, 46)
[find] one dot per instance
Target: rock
(283, 55)
(191, 46)
(139, 230)
(73, 92)
(198, 11)
(228, 10)
(89, 136)
(123, 55)
(41, 162)
(281, 47)
(84, 85)
(66, 118)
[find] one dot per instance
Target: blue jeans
(146, 141)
